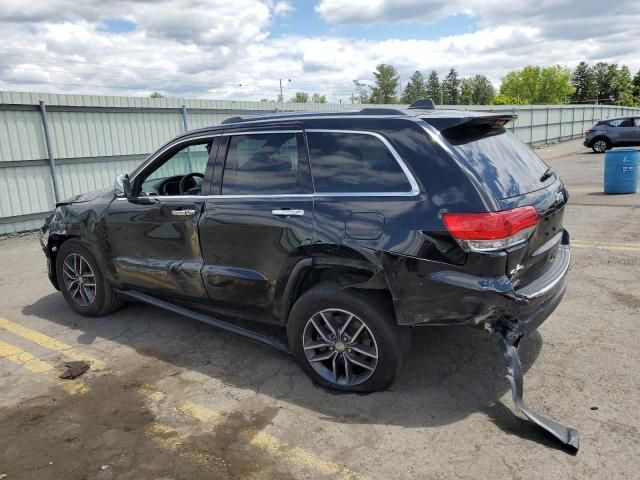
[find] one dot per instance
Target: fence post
(531, 126)
(185, 124)
(573, 120)
(560, 137)
(47, 142)
(185, 118)
(546, 128)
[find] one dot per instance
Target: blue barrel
(621, 170)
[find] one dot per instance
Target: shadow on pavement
(451, 373)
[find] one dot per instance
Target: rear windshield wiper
(548, 173)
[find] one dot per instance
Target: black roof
(368, 111)
(440, 119)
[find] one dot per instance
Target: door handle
(183, 213)
(286, 212)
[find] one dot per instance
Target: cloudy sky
(241, 48)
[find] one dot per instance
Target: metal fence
(53, 146)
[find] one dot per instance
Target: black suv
(345, 230)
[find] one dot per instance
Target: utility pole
(281, 94)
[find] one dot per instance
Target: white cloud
(206, 48)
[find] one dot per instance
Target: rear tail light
(488, 232)
(590, 130)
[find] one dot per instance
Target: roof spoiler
(423, 104)
(450, 123)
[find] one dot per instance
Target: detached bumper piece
(568, 436)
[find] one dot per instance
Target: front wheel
(347, 339)
(81, 282)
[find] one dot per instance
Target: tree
(502, 99)
(386, 84)
(416, 88)
(622, 86)
(480, 89)
(555, 85)
(317, 98)
(300, 97)
(466, 92)
(603, 80)
(635, 85)
(433, 87)
(521, 84)
(361, 95)
(156, 95)
(538, 85)
(583, 80)
(451, 88)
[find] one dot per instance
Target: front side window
(180, 174)
(636, 122)
(354, 163)
(263, 164)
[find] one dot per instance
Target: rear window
(503, 164)
(354, 163)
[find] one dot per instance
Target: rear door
(515, 175)
(636, 132)
(260, 220)
(627, 132)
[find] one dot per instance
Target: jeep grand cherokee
(345, 230)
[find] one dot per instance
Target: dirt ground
(168, 398)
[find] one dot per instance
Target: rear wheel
(347, 339)
(81, 282)
(601, 145)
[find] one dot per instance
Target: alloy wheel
(600, 146)
(340, 347)
(79, 279)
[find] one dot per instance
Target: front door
(259, 224)
(153, 236)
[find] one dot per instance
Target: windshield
(503, 163)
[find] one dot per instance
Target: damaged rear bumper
(566, 435)
(431, 293)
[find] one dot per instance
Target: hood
(85, 197)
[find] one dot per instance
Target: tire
(87, 300)
(379, 335)
(600, 145)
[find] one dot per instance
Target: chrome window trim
(260, 132)
(415, 189)
(157, 154)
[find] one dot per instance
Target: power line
(44, 82)
(47, 59)
(120, 76)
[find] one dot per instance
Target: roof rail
(381, 111)
(232, 120)
(423, 104)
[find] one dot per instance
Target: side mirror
(122, 186)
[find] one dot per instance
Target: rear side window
(354, 163)
(262, 164)
(505, 165)
(620, 122)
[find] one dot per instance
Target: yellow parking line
(298, 456)
(24, 359)
(49, 342)
(621, 247)
(257, 438)
(199, 412)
